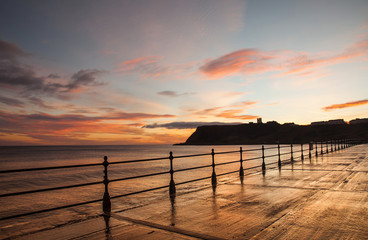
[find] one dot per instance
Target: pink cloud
(232, 111)
(246, 61)
(345, 105)
(136, 63)
(254, 61)
(154, 67)
(145, 66)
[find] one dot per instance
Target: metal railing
(318, 148)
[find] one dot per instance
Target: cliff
(273, 132)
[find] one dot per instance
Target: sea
(23, 157)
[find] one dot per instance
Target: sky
(149, 72)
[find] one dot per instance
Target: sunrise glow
(150, 72)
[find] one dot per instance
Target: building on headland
(329, 122)
(359, 121)
(259, 120)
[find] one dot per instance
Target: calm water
(43, 156)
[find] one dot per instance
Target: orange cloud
(346, 105)
(252, 61)
(245, 104)
(230, 111)
(234, 113)
(135, 63)
(73, 128)
(242, 61)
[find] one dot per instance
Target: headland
(273, 132)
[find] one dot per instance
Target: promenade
(325, 197)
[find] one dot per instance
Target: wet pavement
(321, 198)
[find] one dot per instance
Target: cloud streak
(346, 105)
(231, 111)
(187, 125)
(168, 93)
(255, 61)
(235, 113)
(146, 66)
(48, 127)
(154, 67)
(11, 102)
(16, 76)
(245, 61)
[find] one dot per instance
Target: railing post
(326, 147)
(291, 153)
(316, 149)
(321, 148)
(172, 188)
(263, 161)
(278, 151)
(213, 177)
(335, 145)
(331, 146)
(301, 148)
(241, 170)
(106, 204)
(310, 149)
(338, 144)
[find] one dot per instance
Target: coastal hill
(273, 132)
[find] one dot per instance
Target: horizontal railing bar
(49, 168)
(251, 150)
(224, 163)
(192, 168)
(274, 155)
(227, 152)
(139, 176)
(50, 189)
(139, 160)
(270, 148)
(204, 178)
(50, 209)
(286, 146)
(251, 159)
(287, 153)
(193, 155)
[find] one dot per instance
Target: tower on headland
(259, 120)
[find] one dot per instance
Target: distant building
(359, 121)
(336, 121)
(259, 120)
(329, 122)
